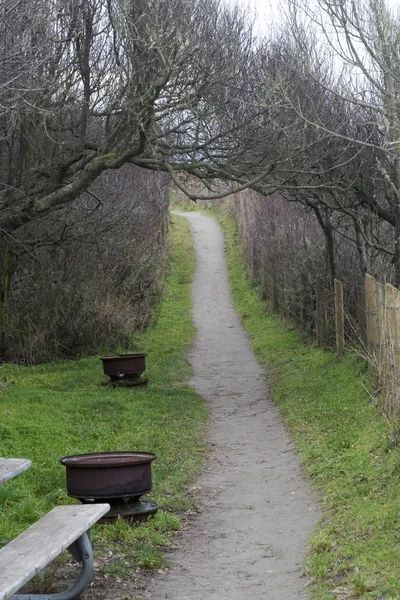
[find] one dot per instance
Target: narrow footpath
(256, 511)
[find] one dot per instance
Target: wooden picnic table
(63, 528)
(11, 467)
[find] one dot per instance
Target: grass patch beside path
(343, 444)
(52, 410)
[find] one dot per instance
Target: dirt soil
(255, 509)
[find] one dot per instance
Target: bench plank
(11, 467)
(35, 548)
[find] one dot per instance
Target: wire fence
(365, 318)
(359, 313)
(383, 342)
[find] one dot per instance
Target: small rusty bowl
(109, 475)
(124, 365)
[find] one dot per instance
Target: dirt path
(249, 539)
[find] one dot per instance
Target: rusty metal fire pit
(124, 365)
(109, 476)
(119, 478)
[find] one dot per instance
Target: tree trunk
(361, 248)
(327, 228)
(330, 254)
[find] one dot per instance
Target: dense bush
(89, 275)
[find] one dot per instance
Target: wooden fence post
(381, 324)
(321, 320)
(362, 311)
(393, 326)
(339, 317)
(371, 314)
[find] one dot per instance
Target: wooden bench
(63, 528)
(11, 467)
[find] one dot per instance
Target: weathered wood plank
(11, 467)
(339, 317)
(371, 314)
(393, 327)
(381, 313)
(362, 310)
(36, 547)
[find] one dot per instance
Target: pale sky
(270, 12)
(267, 12)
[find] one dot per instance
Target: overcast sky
(269, 12)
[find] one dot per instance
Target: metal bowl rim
(122, 356)
(139, 458)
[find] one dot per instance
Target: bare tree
(98, 83)
(87, 86)
(353, 64)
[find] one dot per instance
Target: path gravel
(256, 511)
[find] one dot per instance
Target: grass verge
(52, 410)
(343, 443)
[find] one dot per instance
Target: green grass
(343, 442)
(52, 410)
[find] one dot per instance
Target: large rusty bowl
(109, 475)
(124, 365)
